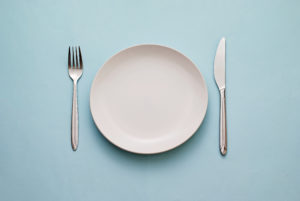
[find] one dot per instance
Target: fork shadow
(122, 156)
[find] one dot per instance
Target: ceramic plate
(148, 99)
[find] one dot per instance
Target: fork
(75, 66)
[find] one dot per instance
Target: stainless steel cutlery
(219, 71)
(75, 66)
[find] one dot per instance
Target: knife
(219, 72)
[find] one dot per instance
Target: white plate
(148, 99)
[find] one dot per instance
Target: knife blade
(219, 72)
(219, 65)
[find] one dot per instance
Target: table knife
(219, 72)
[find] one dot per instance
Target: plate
(148, 99)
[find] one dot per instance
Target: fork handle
(74, 127)
(223, 129)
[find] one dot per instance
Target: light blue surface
(263, 97)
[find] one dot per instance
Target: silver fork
(75, 66)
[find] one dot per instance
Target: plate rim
(154, 152)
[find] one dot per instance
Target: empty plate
(148, 99)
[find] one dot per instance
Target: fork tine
(76, 57)
(80, 59)
(73, 64)
(69, 58)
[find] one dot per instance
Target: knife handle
(223, 129)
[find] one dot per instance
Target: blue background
(263, 96)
